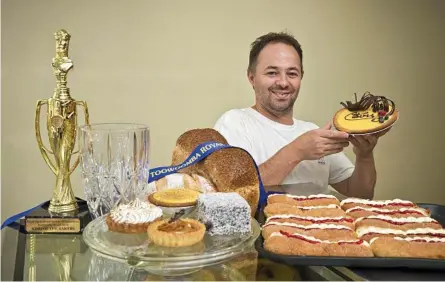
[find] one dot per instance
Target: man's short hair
(272, 37)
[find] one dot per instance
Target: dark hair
(272, 37)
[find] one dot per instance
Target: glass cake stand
(137, 251)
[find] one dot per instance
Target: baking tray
(437, 212)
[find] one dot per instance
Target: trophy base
(42, 220)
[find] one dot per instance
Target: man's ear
(251, 77)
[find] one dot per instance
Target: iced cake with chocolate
(224, 213)
(368, 115)
(134, 217)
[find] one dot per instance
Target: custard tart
(177, 233)
(174, 197)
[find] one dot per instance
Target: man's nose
(282, 81)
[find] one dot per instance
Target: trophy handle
(83, 104)
(43, 150)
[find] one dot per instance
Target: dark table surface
(66, 257)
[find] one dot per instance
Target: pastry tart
(174, 197)
(134, 217)
(177, 233)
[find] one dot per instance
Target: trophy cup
(63, 215)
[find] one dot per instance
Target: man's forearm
(362, 182)
(275, 169)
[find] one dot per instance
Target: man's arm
(362, 182)
(275, 169)
(311, 145)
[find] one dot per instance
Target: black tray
(437, 212)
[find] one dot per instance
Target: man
(288, 150)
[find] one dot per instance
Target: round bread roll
(229, 170)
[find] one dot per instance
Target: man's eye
(271, 73)
(293, 74)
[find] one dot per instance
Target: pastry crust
(134, 217)
(419, 247)
(306, 220)
(322, 232)
(358, 212)
(174, 198)
(394, 204)
(180, 233)
(314, 211)
(366, 127)
(129, 228)
(397, 223)
(297, 244)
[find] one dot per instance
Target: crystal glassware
(114, 161)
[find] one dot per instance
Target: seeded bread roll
(229, 170)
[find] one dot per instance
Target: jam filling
(310, 228)
(423, 241)
(405, 235)
(390, 204)
(399, 223)
(399, 212)
(350, 220)
(296, 236)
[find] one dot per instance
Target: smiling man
(286, 149)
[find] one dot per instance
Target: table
(36, 257)
(50, 257)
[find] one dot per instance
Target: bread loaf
(229, 170)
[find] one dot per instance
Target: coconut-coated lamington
(224, 213)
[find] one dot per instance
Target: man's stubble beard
(278, 111)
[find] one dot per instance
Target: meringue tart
(134, 217)
(174, 197)
(179, 233)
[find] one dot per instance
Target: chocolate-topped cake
(370, 114)
(224, 213)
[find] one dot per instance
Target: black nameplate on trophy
(41, 221)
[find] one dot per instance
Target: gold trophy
(62, 215)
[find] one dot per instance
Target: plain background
(177, 65)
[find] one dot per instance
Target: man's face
(276, 78)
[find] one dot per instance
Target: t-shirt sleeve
(341, 168)
(231, 125)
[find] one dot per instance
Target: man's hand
(364, 144)
(321, 142)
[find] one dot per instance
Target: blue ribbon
(202, 151)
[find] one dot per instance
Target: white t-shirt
(262, 138)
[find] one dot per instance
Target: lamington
(224, 213)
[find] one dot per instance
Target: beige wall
(176, 65)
